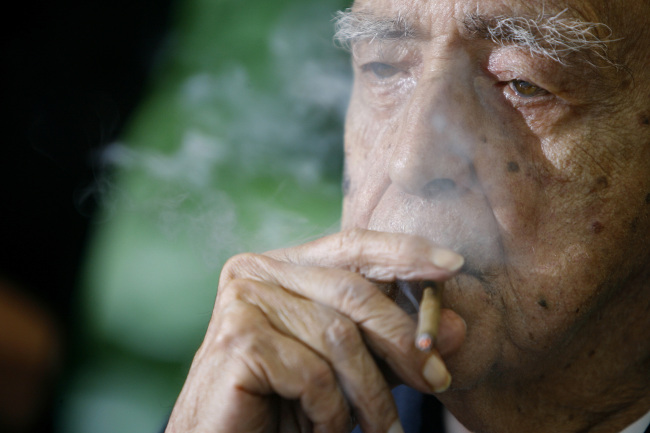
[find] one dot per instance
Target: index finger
(378, 256)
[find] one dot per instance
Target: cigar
(429, 316)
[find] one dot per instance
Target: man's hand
(301, 340)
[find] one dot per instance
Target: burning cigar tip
(424, 342)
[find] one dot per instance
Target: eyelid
(520, 102)
(538, 91)
(511, 63)
(399, 54)
(374, 68)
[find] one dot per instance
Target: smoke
(242, 155)
(237, 148)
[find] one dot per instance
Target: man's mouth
(473, 269)
(407, 294)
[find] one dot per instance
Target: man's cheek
(553, 297)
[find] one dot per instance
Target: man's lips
(472, 269)
(407, 294)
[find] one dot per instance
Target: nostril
(439, 186)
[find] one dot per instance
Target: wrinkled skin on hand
(302, 340)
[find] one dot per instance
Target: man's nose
(432, 150)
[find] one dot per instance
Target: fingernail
(447, 260)
(396, 427)
(436, 374)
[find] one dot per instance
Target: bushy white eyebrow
(351, 27)
(555, 37)
(551, 36)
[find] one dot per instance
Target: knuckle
(407, 243)
(227, 293)
(342, 335)
(231, 327)
(238, 326)
(232, 291)
(352, 235)
(355, 292)
(351, 240)
(238, 266)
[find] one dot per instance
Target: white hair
(352, 27)
(553, 36)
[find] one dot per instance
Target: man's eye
(381, 71)
(526, 89)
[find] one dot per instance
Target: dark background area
(74, 73)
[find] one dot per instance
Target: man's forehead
(621, 20)
(587, 9)
(418, 13)
(543, 29)
(602, 33)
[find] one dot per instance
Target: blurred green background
(237, 147)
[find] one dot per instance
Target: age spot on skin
(645, 120)
(634, 226)
(601, 184)
(483, 139)
(542, 303)
(647, 199)
(513, 167)
(597, 227)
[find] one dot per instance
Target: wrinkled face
(471, 124)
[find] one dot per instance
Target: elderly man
(502, 147)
